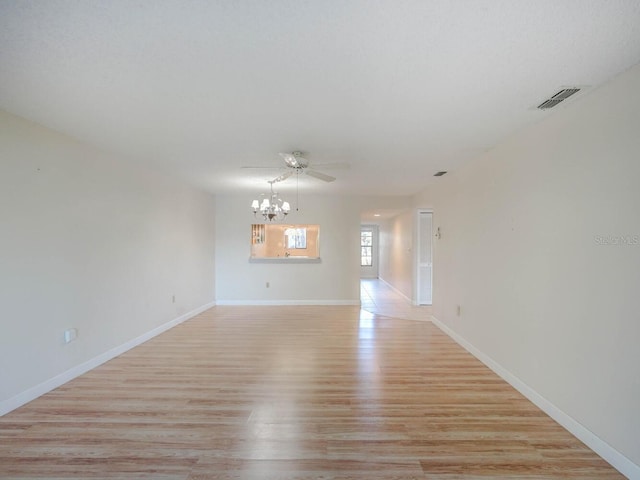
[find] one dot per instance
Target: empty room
(304, 239)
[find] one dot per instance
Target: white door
(369, 251)
(425, 265)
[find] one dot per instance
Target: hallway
(378, 297)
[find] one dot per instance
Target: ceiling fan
(296, 164)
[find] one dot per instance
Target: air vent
(557, 98)
(439, 174)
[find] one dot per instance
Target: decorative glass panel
(366, 249)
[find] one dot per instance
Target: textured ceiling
(398, 89)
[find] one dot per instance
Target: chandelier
(271, 207)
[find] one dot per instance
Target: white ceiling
(399, 89)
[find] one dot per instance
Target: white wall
(89, 243)
(335, 280)
(397, 257)
(522, 253)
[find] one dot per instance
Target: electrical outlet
(458, 310)
(70, 335)
(267, 284)
(173, 299)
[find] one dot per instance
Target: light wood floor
(291, 393)
(378, 297)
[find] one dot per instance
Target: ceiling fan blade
(282, 177)
(320, 176)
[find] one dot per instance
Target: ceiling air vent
(557, 98)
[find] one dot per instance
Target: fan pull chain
(297, 191)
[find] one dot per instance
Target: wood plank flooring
(380, 298)
(291, 393)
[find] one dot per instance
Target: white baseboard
(287, 302)
(34, 392)
(595, 443)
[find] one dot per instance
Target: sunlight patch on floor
(378, 297)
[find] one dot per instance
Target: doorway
(424, 275)
(369, 251)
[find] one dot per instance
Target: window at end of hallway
(366, 246)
